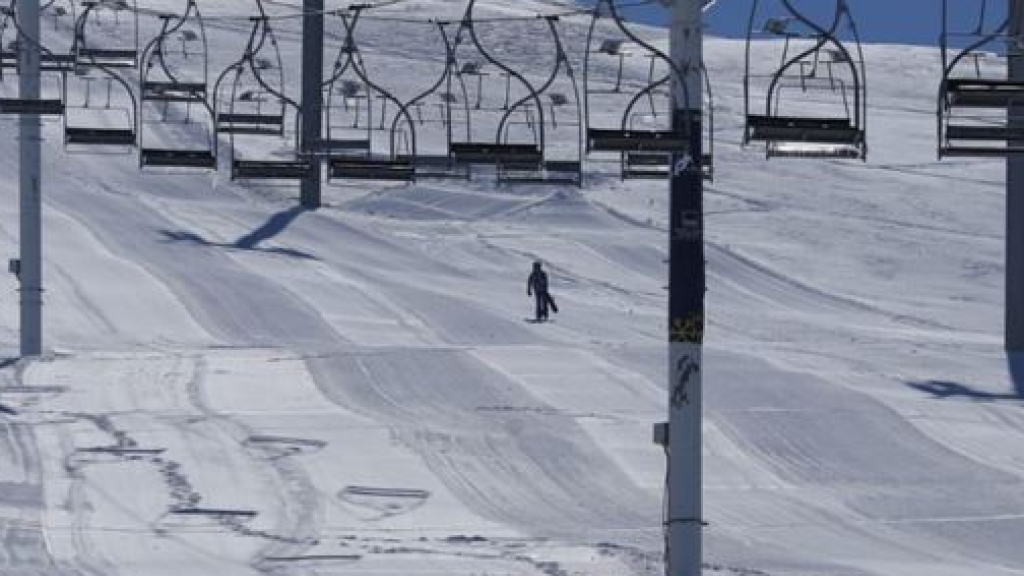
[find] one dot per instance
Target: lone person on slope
(537, 286)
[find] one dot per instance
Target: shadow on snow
(251, 241)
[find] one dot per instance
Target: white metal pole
(1014, 312)
(30, 271)
(684, 521)
(312, 98)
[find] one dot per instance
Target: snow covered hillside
(240, 387)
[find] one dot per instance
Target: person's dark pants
(542, 305)
(544, 301)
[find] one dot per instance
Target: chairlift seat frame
(100, 136)
(983, 93)
(8, 60)
(271, 169)
(170, 158)
(604, 140)
(658, 166)
(814, 150)
(154, 91)
(1000, 133)
(548, 172)
(36, 107)
(496, 154)
(436, 166)
(252, 124)
(368, 168)
(342, 147)
(108, 57)
(839, 131)
(57, 62)
(981, 151)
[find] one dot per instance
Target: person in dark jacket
(537, 286)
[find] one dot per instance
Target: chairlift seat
(646, 166)
(654, 165)
(496, 154)
(999, 133)
(108, 57)
(40, 107)
(436, 166)
(799, 129)
(258, 124)
(980, 151)
(99, 136)
(9, 60)
(271, 169)
(174, 91)
(56, 62)
(548, 172)
(980, 93)
(336, 146)
(601, 140)
(355, 168)
(814, 150)
(164, 158)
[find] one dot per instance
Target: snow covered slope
(240, 387)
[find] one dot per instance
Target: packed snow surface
(236, 386)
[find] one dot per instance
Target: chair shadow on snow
(944, 390)
(251, 241)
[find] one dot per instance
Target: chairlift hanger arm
(448, 71)
(823, 36)
(468, 24)
(360, 71)
(348, 49)
(679, 73)
(268, 34)
(114, 76)
(166, 30)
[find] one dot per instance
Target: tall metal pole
(30, 269)
(686, 299)
(1014, 312)
(312, 97)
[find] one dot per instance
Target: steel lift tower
(1015, 193)
(29, 268)
(312, 98)
(684, 520)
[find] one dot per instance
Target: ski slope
(237, 386)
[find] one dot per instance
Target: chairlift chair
(980, 111)
(90, 52)
(344, 95)
(169, 79)
(352, 157)
(562, 121)
(258, 108)
(509, 155)
(784, 128)
(644, 152)
(117, 128)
